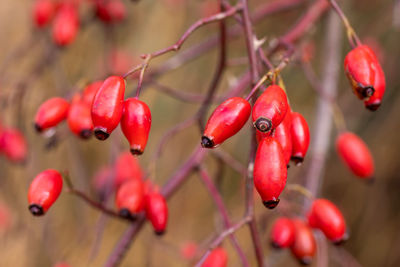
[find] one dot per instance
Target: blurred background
(33, 69)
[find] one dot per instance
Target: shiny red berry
(80, 119)
(43, 12)
(217, 258)
(325, 216)
(13, 145)
(226, 120)
(270, 172)
(300, 137)
(110, 11)
(44, 191)
(107, 106)
(135, 124)
(355, 154)
(283, 135)
(66, 24)
(51, 113)
(130, 198)
(157, 211)
(90, 91)
(270, 109)
(282, 233)
(360, 70)
(127, 167)
(304, 246)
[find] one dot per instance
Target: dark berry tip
(125, 213)
(136, 151)
(341, 241)
(85, 134)
(38, 128)
(36, 210)
(275, 245)
(207, 142)
(159, 232)
(263, 124)
(298, 160)
(306, 260)
(371, 180)
(271, 204)
(368, 91)
(373, 106)
(101, 134)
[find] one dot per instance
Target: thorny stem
(213, 191)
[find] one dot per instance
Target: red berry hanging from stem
(300, 137)
(51, 113)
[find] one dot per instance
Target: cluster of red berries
(282, 135)
(296, 234)
(64, 15)
(99, 108)
(13, 145)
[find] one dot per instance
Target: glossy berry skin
(300, 137)
(374, 102)
(135, 124)
(325, 216)
(80, 119)
(283, 135)
(355, 154)
(270, 172)
(217, 258)
(13, 145)
(43, 12)
(130, 198)
(304, 246)
(226, 120)
(157, 211)
(127, 167)
(107, 106)
(51, 113)
(282, 233)
(90, 91)
(44, 191)
(110, 11)
(270, 109)
(360, 70)
(65, 25)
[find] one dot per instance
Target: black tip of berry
(85, 134)
(371, 180)
(341, 241)
(38, 128)
(159, 232)
(207, 142)
(125, 213)
(305, 260)
(136, 152)
(271, 204)
(101, 134)
(373, 106)
(275, 245)
(263, 124)
(297, 160)
(36, 210)
(368, 91)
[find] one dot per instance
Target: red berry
(284, 136)
(217, 258)
(226, 120)
(103, 181)
(90, 91)
(360, 70)
(127, 167)
(44, 191)
(157, 211)
(80, 119)
(110, 11)
(43, 12)
(189, 250)
(130, 198)
(121, 61)
(135, 124)
(325, 216)
(304, 245)
(270, 172)
(13, 145)
(270, 109)
(282, 233)
(107, 106)
(300, 137)
(66, 25)
(374, 102)
(355, 154)
(51, 113)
